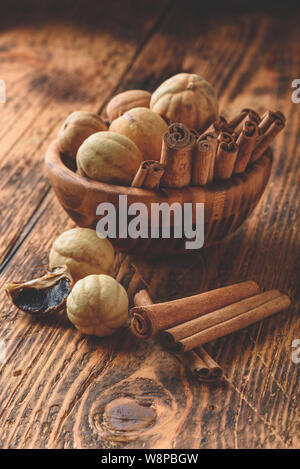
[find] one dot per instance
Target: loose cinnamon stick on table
(148, 175)
(243, 314)
(246, 143)
(199, 361)
(225, 160)
(267, 139)
(202, 365)
(148, 320)
(176, 156)
(189, 328)
(142, 298)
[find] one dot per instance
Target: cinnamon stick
(203, 160)
(268, 118)
(249, 314)
(146, 321)
(176, 156)
(225, 160)
(140, 176)
(246, 143)
(142, 298)
(189, 328)
(233, 123)
(267, 139)
(225, 137)
(148, 175)
(199, 361)
(212, 138)
(251, 116)
(221, 124)
(203, 365)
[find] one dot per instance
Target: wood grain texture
(61, 389)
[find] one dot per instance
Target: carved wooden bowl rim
(55, 165)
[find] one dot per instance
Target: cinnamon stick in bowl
(249, 115)
(176, 156)
(246, 143)
(148, 320)
(212, 138)
(225, 160)
(235, 121)
(203, 159)
(221, 125)
(268, 118)
(225, 137)
(266, 139)
(148, 175)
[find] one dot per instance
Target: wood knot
(126, 414)
(124, 419)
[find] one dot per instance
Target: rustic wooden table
(56, 384)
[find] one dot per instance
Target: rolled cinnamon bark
(268, 118)
(221, 125)
(209, 136)
(140, 176)
(233, 123)
(176, 156)
(246, 143)
(148, 175)
(267, 139)
(203, 160)
(146, 321)
(225, 137)
(225, 327)
(199, 362)
(212, 138)
(225, 160)
(189, 328)
(251, 116)
(154, 175)
(142, 298)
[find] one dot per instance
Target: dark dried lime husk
(44, 295)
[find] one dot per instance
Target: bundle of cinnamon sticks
(187, 323)
(226, 149)
(198, 361)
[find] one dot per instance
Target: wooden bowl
(226, 203)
